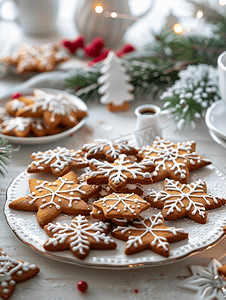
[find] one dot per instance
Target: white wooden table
(57, 280)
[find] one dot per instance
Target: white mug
(222, 76)
(35, 17)
(150, 122)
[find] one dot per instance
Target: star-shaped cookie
(120, 172)
(184, 200)
(55, 109)
(108, 150)
(50, 199)
(59, 161)
(79, 236)
(173, 160)
(13, 271)
(149, 233)
(127, 206)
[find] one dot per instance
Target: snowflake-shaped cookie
(206, 282)
(79, 236)
(120, 172)
(52, 198)
(173, 160)
(13, 271)
(149, 233)
(18, 126)
(59, 161)
(15, 104)
(54, 108)
(180, 200)
(109, 150)
(121, 206)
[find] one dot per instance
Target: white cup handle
(4, 19)
(165, 118)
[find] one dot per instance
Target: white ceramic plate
(216, 118)
(201, 236)
(50, 138)
(217, 138)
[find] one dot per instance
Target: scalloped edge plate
(201, 236)
(50, 138)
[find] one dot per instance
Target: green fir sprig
(5, 151)
(149, 76)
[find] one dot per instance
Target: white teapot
(110, 22)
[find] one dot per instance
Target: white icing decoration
(166, 152)
(18, 123)
(115, 148)
(121, 199)
(173, 201)
(62, 157)
(116, 171)
(16, 104)
(78, 231)
(57, 104)
(59, 192)
(159, 241)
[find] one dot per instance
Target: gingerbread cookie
(108, 150)
(13, 271)
(79, 236)
(179, 200)
(173, 160)
(121, 172)
(18, 126)
(149, 233)
(59, 161)
(127, 206)
(55, 109)
(51, 199)
(14, 105)
(41, 58)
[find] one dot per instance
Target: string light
(199, 14)
(99, 9)
(177, 28)
(222, 2)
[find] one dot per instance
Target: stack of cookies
(110, 195)
(40, 114)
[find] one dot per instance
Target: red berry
(101, 57)
(82, 286)
(127, 48)
(95, 48)
(16, 95)
(136, 291)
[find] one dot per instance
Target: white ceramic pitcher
(91, 24)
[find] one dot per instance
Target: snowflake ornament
(120, 172)
(173, 160)
(109, 150)
(206, 282)
(51, 199)
(13, 271)
(79, 236)
(180, 200)
(59, 161)
(121, 206)
(149, 233)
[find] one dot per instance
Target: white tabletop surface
(57, 280)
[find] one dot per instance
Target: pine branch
(5, 151)
(150, 76)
